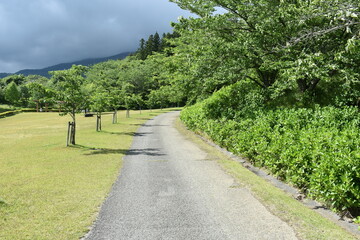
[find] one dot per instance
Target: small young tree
(102, 81)
(69, 86)
(99, 102)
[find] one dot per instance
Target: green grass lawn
(49, 191)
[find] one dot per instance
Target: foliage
(12, 93)
(154, 44)
(299, 49)
(18, 79)
(307, 223)
(316, 149)
(102, 86)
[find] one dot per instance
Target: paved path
(170, 189)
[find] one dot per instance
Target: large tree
(266, 41)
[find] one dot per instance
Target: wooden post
(98, 122)
(114, 117)
(68, 135)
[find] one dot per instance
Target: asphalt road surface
(170, 189)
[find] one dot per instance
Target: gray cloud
(40, 33)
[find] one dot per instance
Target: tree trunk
(268, 78)
(304, 85)
(114, 117)
(127, 113)
(73, 133)
(98, 122)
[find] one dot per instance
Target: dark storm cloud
(40, 33)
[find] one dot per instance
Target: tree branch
(318, 33)
(256, 81)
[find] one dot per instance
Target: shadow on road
(135, 134)
(129, 152)
(154, 125)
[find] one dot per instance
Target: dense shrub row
(317, 149)
(9, 113)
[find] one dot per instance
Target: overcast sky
(41, 33)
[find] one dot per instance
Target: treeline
(134, 83)
(154, 44)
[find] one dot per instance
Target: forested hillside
(45, 71)
(275, 81)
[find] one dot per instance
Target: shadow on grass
(128, 152)
(2, 203)
(143, 118)
(134, 134)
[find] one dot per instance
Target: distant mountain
(2, 75)
(86, 62)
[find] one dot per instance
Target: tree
(156, 43)
(105, 87)
(2, 95)
(142, 50)
(149, 46)
(158, 98)
(99, 102)
(18, 79)
(12, 93)
(266, 42)
(69, 86)
(24, 95)
(37, 91)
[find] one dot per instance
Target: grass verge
(306, 223)
(49, 191)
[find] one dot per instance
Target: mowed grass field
(48, 190)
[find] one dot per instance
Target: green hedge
(9, 113)
(317, 150)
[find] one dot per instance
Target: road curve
(170, 189)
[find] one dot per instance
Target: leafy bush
(236, 101)
(317, 150)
